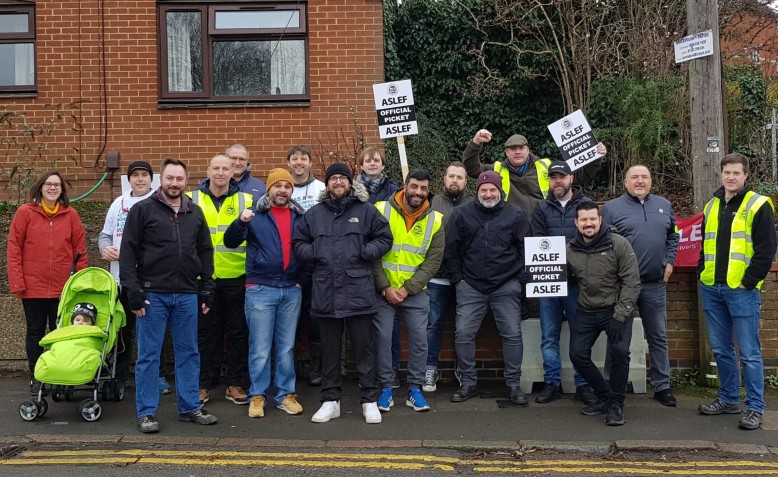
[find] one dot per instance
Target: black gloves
(137, 301)
(615, 330)
(207, 300)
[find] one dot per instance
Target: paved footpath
(477, 424)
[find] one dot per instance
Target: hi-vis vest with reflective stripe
(741, 246)
(409, 247)
(227, 262)
(541, 166)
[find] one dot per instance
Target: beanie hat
(139, 165)
(489, 177)
(279, 174)
(338, 168)
(86, 309)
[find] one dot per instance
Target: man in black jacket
(485, 257)
(341, 237)
(165, 248)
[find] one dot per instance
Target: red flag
(690, 241)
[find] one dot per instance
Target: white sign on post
(545, 262)
(396, 115)
(575, 140)
(694, 46)
(395, 108)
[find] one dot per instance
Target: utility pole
(708, 140)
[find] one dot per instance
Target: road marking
(383, 461)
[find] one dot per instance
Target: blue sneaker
(416, 400)
(385, 401)
(164, 387)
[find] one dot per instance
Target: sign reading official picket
(694, 46)
(395, 109)
(575, 140)
(545, 264)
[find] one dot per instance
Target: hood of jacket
(358, 192)
(205, 186)
(601, 240)
(186, 202)
(264, 205)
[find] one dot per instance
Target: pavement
(477, 424)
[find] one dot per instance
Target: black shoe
(600, 407)
(314, 376)
(666, 398)
(395, 379)
(517, 396)
(550, 392)
(464, 393)
(615, 415)
(751, 420)
(586, 395)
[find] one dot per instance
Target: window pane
(254, 19)
(14, 23)
(17, 64)
(250, 68)
(184, 52)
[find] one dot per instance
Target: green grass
(771, 393)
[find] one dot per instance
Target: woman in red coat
(46, 235)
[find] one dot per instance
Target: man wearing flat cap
(484, 256)
(341, 237)
(523, 175)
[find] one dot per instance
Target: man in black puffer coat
(341, 237)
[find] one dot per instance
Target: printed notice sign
(575, 140)
(395, 109)
(694, 46)
(545, 264)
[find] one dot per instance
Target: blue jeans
(441, 296)
(177, 311)
(271, 315)
(505, 303)
(553, 311)
(729, 310)
(652, 305)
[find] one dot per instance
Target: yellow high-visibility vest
(409, 247)
(227, 262)
(541, 166)
(741, 245)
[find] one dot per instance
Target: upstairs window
(17, 48)
(242, 52)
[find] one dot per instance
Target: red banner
(690, 241)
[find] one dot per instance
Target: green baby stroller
(81, 358)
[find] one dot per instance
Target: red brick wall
(346, 59)
(682, 330)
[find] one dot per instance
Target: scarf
(50, 212)
(372, 185)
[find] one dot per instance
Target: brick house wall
(345, 60)
(752, 37)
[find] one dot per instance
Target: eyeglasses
(338, 179)
(52, 185)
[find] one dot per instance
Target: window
(222, 52)
(17, 48)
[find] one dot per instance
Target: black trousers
(360, 329)
(584, 331)
(39, 313)
(227, 319)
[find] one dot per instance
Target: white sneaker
(371, 413)
(328, 410)
(430, 381)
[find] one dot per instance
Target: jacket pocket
(358, 289)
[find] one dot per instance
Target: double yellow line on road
(386, 461)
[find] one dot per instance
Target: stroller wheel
(29, 410)
(90, 410)
(44, 407)
(68, 394)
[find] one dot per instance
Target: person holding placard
(555, 216)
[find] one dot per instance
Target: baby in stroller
(73, 353)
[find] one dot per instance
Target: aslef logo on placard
(567, 124)
(545, 245)
(392, 89)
